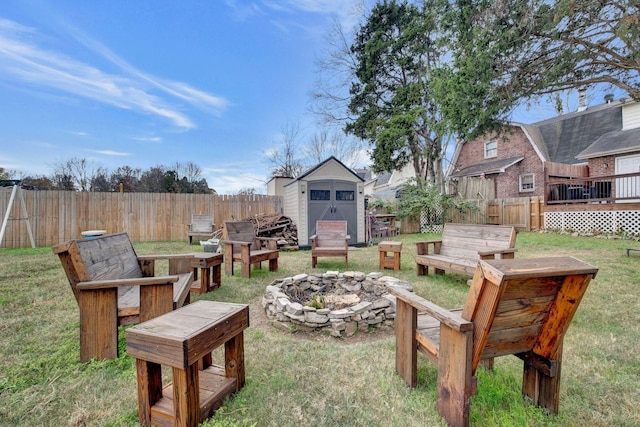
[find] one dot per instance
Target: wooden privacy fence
(524, 213)
(57, 216)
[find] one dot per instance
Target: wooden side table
(386, 260)
(210, 266)
(184, 339)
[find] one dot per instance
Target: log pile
(278, 226)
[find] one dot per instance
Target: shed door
(333, 200)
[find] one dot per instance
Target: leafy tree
(101, 183)
(152, 180)
(62, 181)
(37, 182)
(127, 176)
(170, 182)
(419, 199)
(395, 52)
(505, 53)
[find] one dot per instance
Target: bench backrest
(465, 240)
(110, 256)
(201, 224)
(240, 231)
(524, 305)
(331, 234)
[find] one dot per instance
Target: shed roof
(321, 164)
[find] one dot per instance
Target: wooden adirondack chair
(113, 286)
(242, 245)
(331, 240)
(377, 229)
(201, 226)
(515, 306)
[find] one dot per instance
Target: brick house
(598, 141)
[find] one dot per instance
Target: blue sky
(144, 83)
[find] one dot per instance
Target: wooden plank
(560, 314)
(455, 384)
(98, 324)
(406, 351)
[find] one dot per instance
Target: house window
(527, 182)
(491, 148)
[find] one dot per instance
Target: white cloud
(25, 61)
(148, 139)
(112, 153)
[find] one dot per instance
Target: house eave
(609, 153)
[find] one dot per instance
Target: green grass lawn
(298, 379)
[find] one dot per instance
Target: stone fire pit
(337, 303)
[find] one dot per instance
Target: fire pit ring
(339, 304)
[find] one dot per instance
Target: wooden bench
(331, 240)
(201, 226)
(462, 245)
(242, 245)
(521, 307)
(113, 286)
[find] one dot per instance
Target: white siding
(303, 212)
(631, 116)
(291, 204)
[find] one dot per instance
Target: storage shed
(328, 191)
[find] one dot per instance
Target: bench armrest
(451, 319)
(114, 283)
(236, 242)
(165, 256)
(422, 248)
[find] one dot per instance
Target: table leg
(234, 359)
(149, 388)
(186, 399)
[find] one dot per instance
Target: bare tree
(284, 158)
(326, 143)
(79, 171)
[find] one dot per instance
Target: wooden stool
(210, 265)
(386, 260)
(184, 339)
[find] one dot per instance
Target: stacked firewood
(278, 226)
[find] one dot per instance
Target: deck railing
(600, 189)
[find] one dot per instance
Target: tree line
(80, 174)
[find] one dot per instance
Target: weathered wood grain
(519, 307)
(330, 240)
(462, 246)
